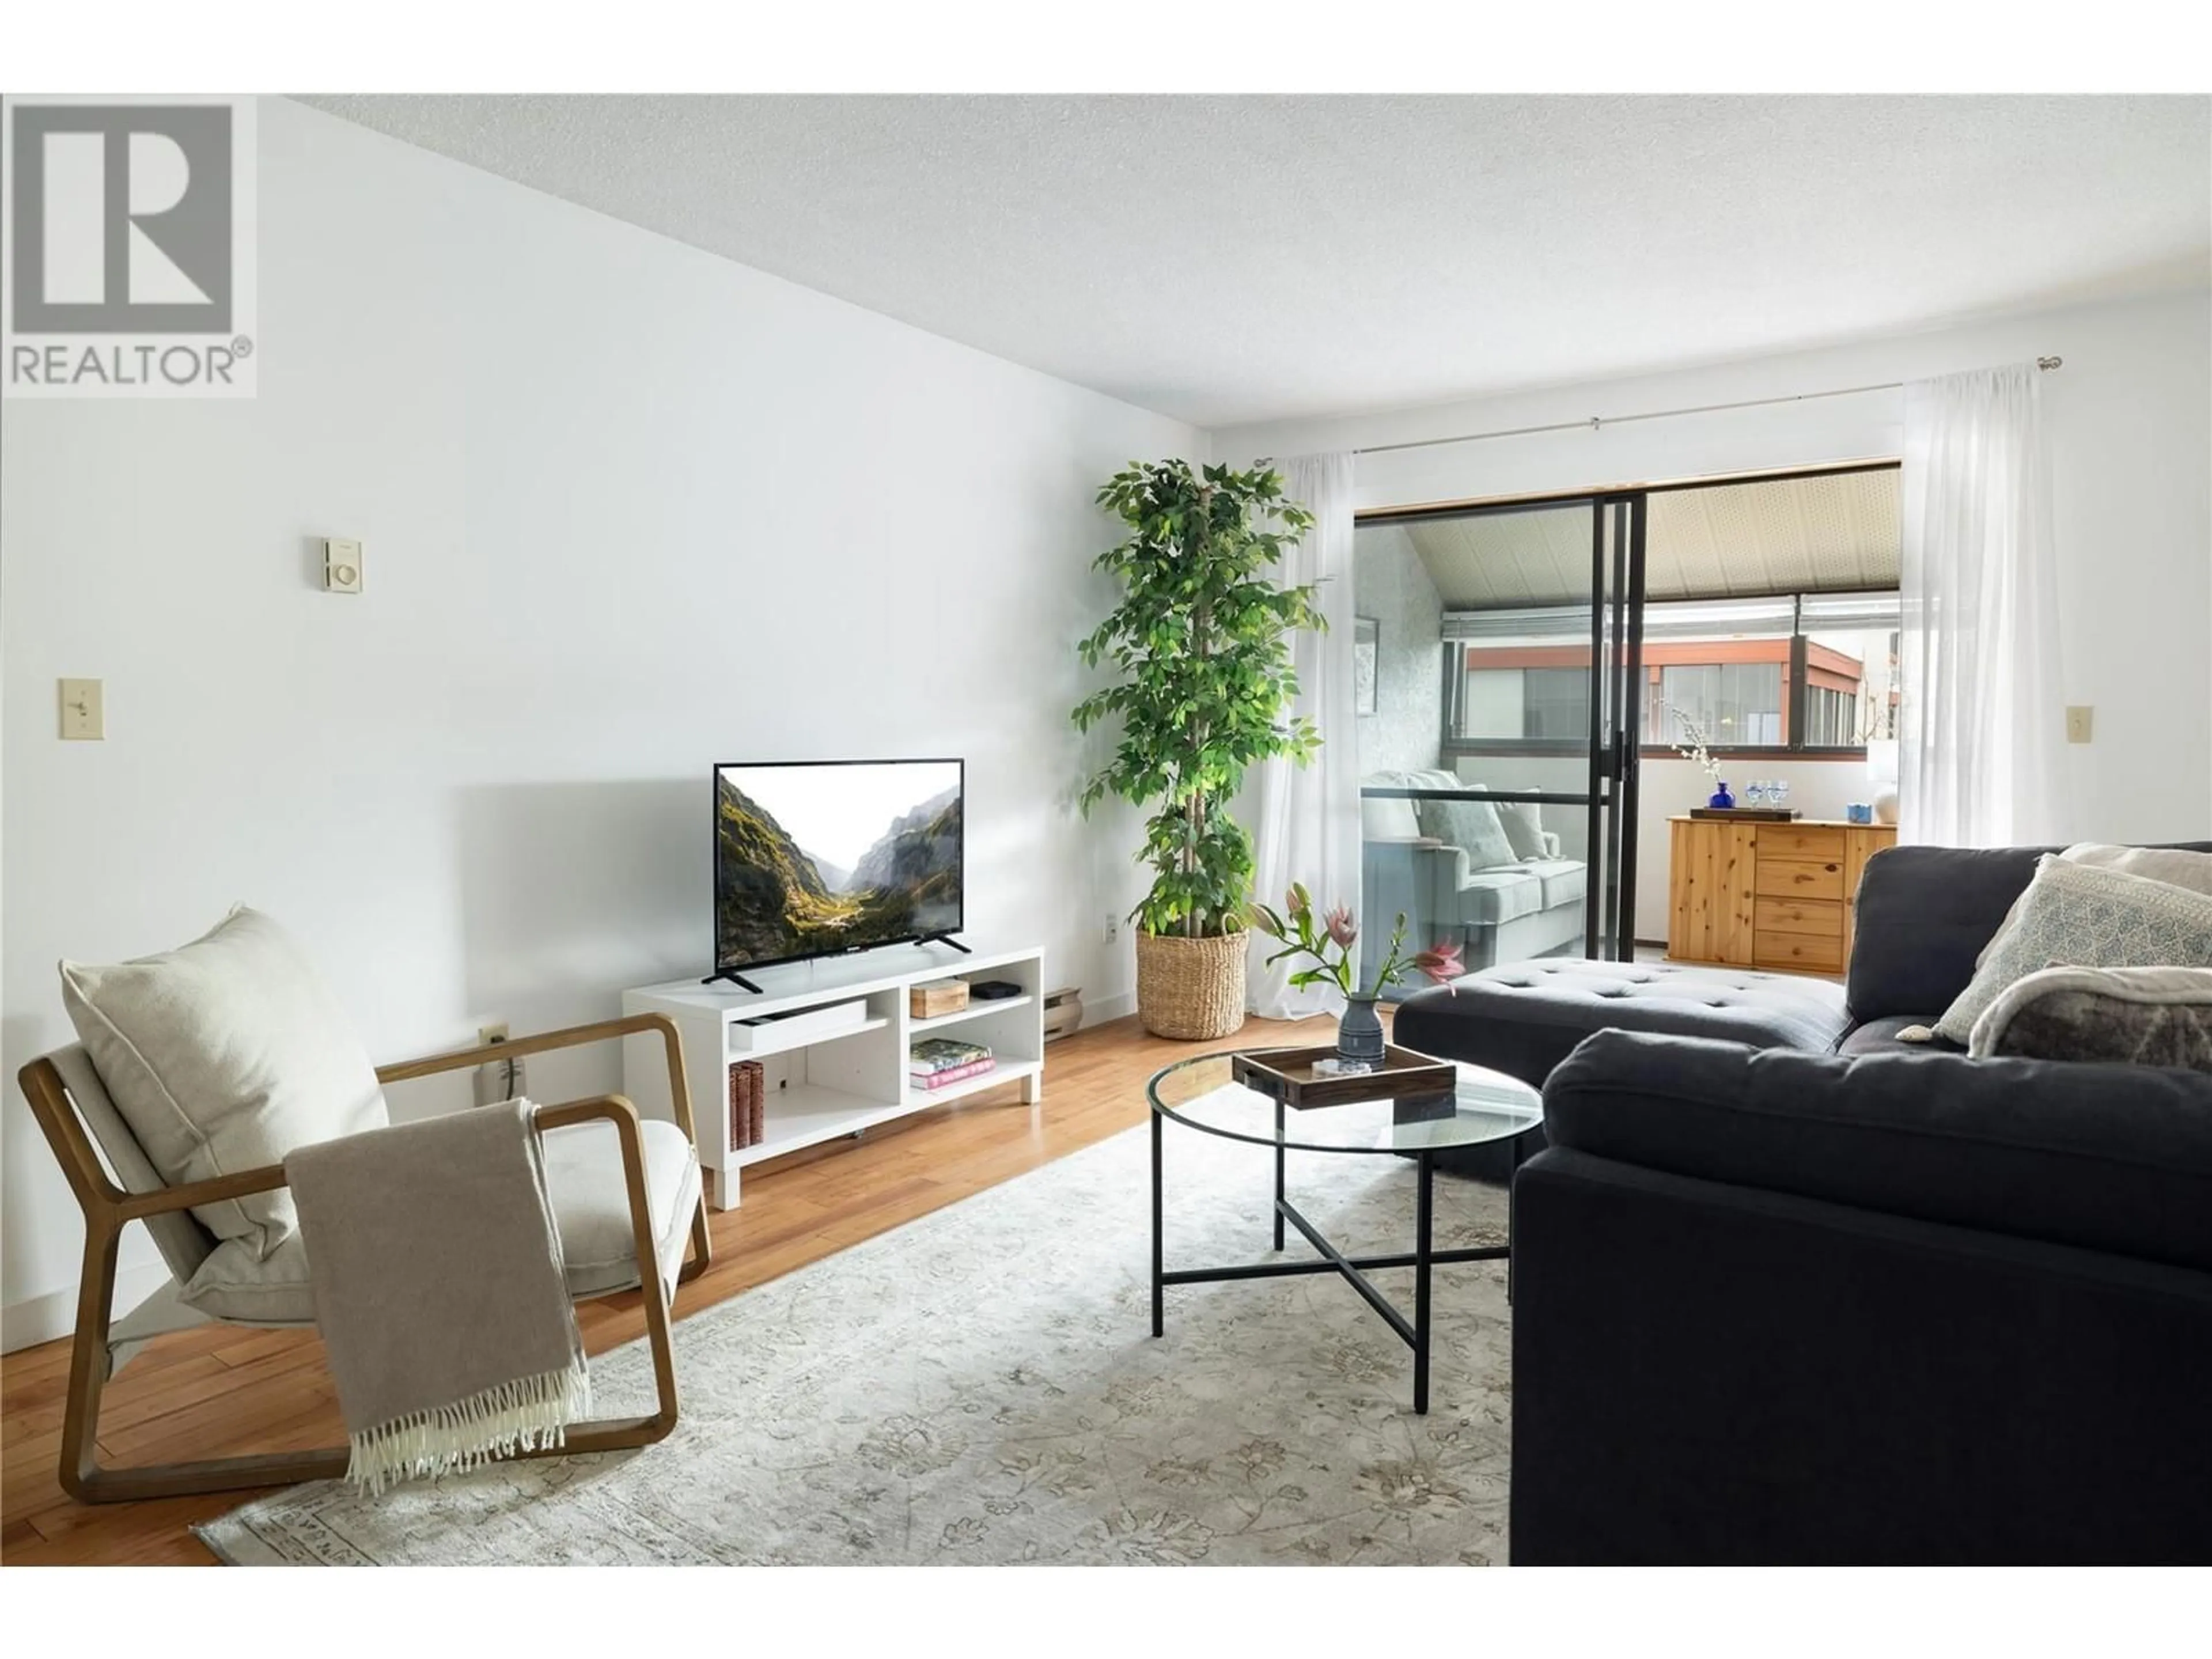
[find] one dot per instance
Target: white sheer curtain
(1306, 825)
(1981, 762)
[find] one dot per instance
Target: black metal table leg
(1519, 1144)
(1426, 1217)
(1423, 1258)
(1159, 1284)
(1279, 1174)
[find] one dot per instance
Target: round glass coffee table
(1202, 1094)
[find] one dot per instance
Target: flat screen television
(818, 857)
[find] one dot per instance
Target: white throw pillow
(2167, 863)
(224, 1057)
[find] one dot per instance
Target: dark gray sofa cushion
(2103, 1158)
(1879, 1037)
(1523, 1018)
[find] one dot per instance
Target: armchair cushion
(591, 1206)
(184, 1243)
(221, 1057)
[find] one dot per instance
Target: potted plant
(1200, 649)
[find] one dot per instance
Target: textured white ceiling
(1838, 532)
(1234, 259)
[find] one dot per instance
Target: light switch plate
(84, 717)
(341, 566)
(2077, 722)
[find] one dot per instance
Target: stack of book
(935, 1062)
(747, 1094)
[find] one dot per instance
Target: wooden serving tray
(1749, 814)
(1288, 1075)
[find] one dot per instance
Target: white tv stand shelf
(822, 1085)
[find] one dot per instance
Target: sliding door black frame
(1616, 707)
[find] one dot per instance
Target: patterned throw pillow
(2085, 916)
(1523, 824)
(1470, 825)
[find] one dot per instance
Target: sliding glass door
(1500, 704)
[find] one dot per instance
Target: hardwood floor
(224, 1390)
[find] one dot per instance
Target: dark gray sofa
(1878, 1303)
(1924, 915)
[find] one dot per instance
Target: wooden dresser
(1766, 895)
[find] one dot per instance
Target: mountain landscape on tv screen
(773, 900)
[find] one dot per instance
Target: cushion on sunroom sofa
(1489, 898)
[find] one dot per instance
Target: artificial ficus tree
(1202, 645)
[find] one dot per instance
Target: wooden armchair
(73, 1111)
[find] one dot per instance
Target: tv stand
(829, 1084)
(945, 938)
(736, 979)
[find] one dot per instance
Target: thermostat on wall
(341, 566)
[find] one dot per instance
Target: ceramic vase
(1359, 1032)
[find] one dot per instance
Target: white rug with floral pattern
(978, 1387)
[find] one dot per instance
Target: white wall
(2130, 419)
(629, 509)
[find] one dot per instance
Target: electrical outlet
(496, 1032)
(2077, 722)
(1113, 927)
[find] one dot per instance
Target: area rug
(980, 1387)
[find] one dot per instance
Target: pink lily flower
(1341, 927)
(1441, 963)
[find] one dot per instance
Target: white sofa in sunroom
(1477, 869)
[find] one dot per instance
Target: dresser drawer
(1809, 952)
(1799, 878)
(1820, 918)
(1820, 843)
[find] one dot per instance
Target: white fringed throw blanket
(440, 1293)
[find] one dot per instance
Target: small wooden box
(942, 996)
(1288, 1075)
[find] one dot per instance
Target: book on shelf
(934, 1055)
(954, 1073)
(745, 1097)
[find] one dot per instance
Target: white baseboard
(39, 1319)
(1106, 1008)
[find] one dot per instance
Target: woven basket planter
(1191, 987)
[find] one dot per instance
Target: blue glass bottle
(1722, 799)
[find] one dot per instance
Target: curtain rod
(1596, 422)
